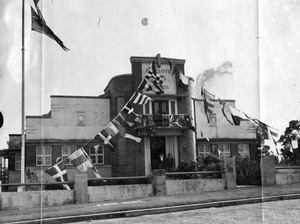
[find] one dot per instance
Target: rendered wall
(246, 130)
(27, 199)
(116, 192)
(194, 186)
(287, 176)
(63, 121)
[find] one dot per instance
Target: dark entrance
(158, 152)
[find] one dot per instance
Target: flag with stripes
(59, 173)
(208, 103)
(81, 160)
(139, 98)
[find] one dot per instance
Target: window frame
(43, 155)
(70, 151)
(243, 155)
(17, 161)
(95, 156)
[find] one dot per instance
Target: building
(219, 134)
(166, 125)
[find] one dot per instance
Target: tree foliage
(285, 140)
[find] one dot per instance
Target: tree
(289, 154)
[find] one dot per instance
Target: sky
(260, 38)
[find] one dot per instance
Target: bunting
(140, 99)
(107, 139)
(237, 115)
(82, 161)
(208, 103)
(59, 173)
(222, 104)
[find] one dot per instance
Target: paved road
(278, 212)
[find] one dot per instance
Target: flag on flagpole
(208, 103)
(39, 25)
(59, 172)
(139, 98)
(222, 104)
(81, 160)
(237, 115)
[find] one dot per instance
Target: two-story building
(74, 121)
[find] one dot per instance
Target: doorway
(158, 152)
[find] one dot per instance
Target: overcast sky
(103, 34)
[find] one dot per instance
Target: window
(81, 118)
(224, 150)
(18, 161)
(243, 150)
(203, 150)
(66, 151)
(97, 154)
(43, 155)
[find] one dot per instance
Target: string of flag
(267, 132)
(118, 126)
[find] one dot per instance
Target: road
(267, 213)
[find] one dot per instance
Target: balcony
(182, 121)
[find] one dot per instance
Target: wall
(25, 199)
(246, 130)
(62, 122)
(116, 192)
(287, 176)
(194, 186)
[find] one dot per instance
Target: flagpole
(23, 98)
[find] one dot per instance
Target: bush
(209, 163)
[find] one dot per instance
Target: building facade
(178, 124)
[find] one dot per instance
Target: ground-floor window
(203, 150)
(97, 154)
(206, 149)
(66, 151)
(243, 150)
(18, 161)
(43, 155)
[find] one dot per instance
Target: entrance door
(158, 152)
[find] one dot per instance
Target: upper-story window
(66, 151)
(43, 155)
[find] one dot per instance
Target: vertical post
(268, 177)
(81, 189)
(0, 187)
(159, 182)
(195, 123)
(23, 98)
(230, 173)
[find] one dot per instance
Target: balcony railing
(166, 120)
